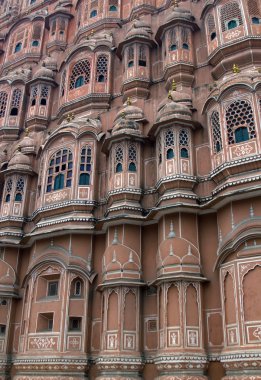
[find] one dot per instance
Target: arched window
(18, 197)
(254, 11)
(8, 190)
(169, 144)
(173, 41)
(170, 154)
(18, 47)
(113, 8)
(185, 46)
(93, 13)
(173, 47)
(102, 69)
(184, 153)
(118, 159)
(142, 56)
(34, 94)
(82, 70)
(62, 26)
(231, 16)
(3, 102)
(211, 27)
(119, 168)
(216, 132)
(130, 56)
(53, 29)
(240, 114)
(77, 288)
(60, 170)
(184, 143)
(19, 190)
(36, 35)
(44, 95)
(132, 157)
(85, 166)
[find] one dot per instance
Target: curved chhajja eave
(246, 230)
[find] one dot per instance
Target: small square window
(52, 288)
(75, 324)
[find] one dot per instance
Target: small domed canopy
(121, 263)
(19, 74)
(27, 145)
(174, 107)
(50, 63)
(3, 153)
(19, 161)
(128, 119)
(177, 256)
(139, 28)
(179, 13)
(43, 73)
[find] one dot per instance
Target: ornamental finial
(128, 101)
(174, 85)
(115, 239)
(70, 117)
(236, 69)
(171, 230)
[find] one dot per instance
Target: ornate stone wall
(130, 211)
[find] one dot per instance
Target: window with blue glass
(118, 159)
(113, 8)
(93, 13)
(240, 122)
(231, 16)
(170, 154)
(256, 20)
(19, 190)
(59, 182)
(132, 153)
(173, 47)
(8, 190)
(184, 143)
(18, 47)
(169, 143)
(80, 74)
(254, 10)
(185, 46)
(241, 134)
(232, 24)
(85, 166)
(60, 171)
(79, 82)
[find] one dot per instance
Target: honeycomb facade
(130, 172)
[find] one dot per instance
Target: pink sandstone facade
(130, 173)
